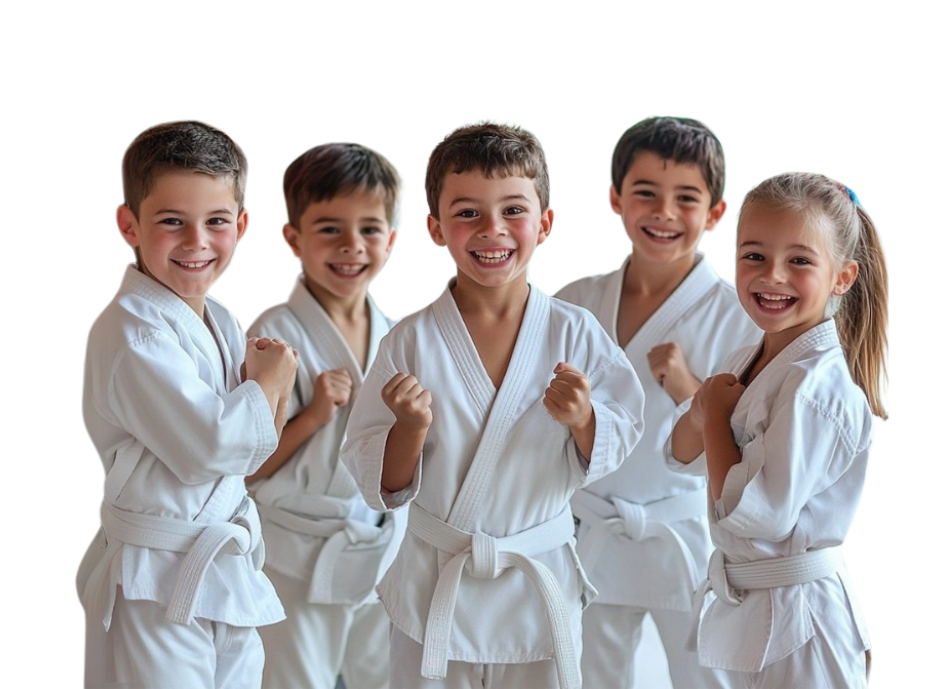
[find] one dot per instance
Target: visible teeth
(348, 268)
(492, 256)
(773, 297)
(778, 301)
(194, 264)
(662, 235)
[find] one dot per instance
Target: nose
(352, 243)
(491, 226)
(195, 237)
(663, 208)
(773, 273)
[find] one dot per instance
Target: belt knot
(632, 517)
(484, 556)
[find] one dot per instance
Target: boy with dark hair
(643, 538)
(326, 549)
(531, 401)
(180, 407)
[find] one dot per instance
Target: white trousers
(318, 642)
(142, 650)
(612, 635)
(405, 671)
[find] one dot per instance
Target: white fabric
(661, 567)
(494, 463)
(804, 429)
(177, 431)
(317, 527)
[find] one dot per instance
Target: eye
(514, 210)
(644, 193)
(688, 199)
(328, 229)
(173, 222)
(801, 261)
(752, 256)
(371, 230)
(466, 213)
(217, 222)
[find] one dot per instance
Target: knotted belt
(200, 542)
(727, 579)
(485, 557)
(339, 531)
(618, 517)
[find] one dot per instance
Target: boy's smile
(491, 227)
(343, 243)
(186, 232)
(665, 207)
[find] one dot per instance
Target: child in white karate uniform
(531, 400)
(325, 548)
(786, 434)
(642, 535)
(180, 407)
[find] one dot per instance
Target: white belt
(200, 542)
(339, 534)
(486, 557)
(727, 579)
(618, 517)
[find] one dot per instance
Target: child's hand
(272, 363)
(330, 390)
(568, 397)
(716, 399)
(670, 369)
(410, 402)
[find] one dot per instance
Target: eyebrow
(163, 211)
(469, 199)
(798, 247)
(687, 187)
(317, 221)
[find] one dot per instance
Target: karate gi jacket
(657, 565)
(804, 429)
(313, 497)
(177, 431)
(494, 462)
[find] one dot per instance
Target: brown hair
(680, 139)
(327, 171)
(493, 149)
(861, 314)
(181, 146)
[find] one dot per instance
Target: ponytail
(862, 318)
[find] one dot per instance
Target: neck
(349, 308)
(648, 278)
(498, 302)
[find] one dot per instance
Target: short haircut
(181, 146)
(331, 170)
(493, 149)
(679, 139)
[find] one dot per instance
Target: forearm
(687, 442)
(584, 437)
(403, 448)
(296, 432)
(681, 389)
(721, 453)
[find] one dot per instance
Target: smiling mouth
(193, 265)
(492, 256)
(348, 269)
(661, 234)
(774, 302)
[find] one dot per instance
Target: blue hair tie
(852, 196)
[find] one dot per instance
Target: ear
(845, 278)
(392, 234)
(292, 237)
(241, 224)
(434, 228)
(545, 225)
(615, 200)
(128, 226)
(715, 213)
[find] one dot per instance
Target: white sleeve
(156, 395)
(617, 397)
(366, 433)
(803, 451)
(697, 466)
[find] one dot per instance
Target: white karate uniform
(804, 429)
(492, 487)
(177, 432)
(643, 537)
(325, 548)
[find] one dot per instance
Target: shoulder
(586, 290)
(272, 320)
(581, 337)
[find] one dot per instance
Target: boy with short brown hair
(530, 401)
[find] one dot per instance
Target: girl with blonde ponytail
(786, 434)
